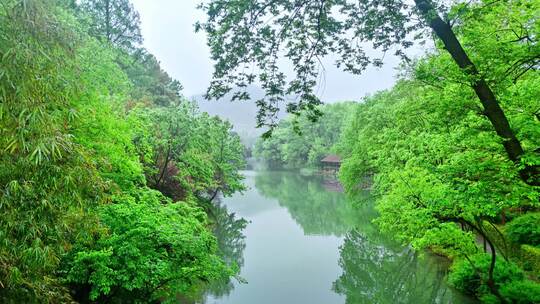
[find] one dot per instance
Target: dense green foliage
(530, 259)
(442, 174)
(297, 142)
(182, 150)
(467, 276)
(47, 180)
(152, 249)
(525, 229)
(85, 126)
(443, 171)
(260, 33)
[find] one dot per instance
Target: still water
(302, 241)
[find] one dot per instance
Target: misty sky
(167, 28)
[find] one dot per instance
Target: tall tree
(116, 21)
(244, 34)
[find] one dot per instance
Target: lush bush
(71, 142)
(525, 229)
(47, 181)
(152, 249)
(530, 257)
(470, 276)
(521, 292)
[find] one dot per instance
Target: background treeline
(298, 142)
(443, 180)
(103, 164)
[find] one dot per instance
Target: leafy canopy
(248, 38)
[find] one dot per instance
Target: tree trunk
(490, 282)
(165, 165)
(108, 20)
(215, 194)
(492, 109)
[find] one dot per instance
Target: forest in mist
(115, 187)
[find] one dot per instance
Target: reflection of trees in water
(376, 271)
(231, 243)
(375, 268)
(317, 210)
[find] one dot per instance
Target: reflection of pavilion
(332, 184)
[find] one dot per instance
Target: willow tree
(247, 38)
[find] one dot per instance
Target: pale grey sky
(167, 28)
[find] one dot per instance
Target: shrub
(525, 229)
(521, 292)
(530, 256)
(472, 279)
(153, 249)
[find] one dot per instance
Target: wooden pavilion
(330, 164)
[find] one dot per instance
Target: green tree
(152, 249)
(150, 82)
(74, 157)
(288, 148)
(435, 171)
(188, 153)
(438, 163)
(256, 33)
(115, 21)
(227, 154)
(163, 137)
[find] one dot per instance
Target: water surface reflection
(306, 244)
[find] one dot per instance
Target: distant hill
(242, 114)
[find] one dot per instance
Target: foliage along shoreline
(442, 175)
(104, 165)
(298, 143)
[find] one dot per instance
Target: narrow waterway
(303, 241)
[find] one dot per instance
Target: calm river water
(305, 242)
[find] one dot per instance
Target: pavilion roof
(331, 158)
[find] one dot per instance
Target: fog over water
(167, 28)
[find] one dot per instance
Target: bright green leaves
(99, 275)
(470, 276)
(72, 140)
(47, 182)
(185, 152)
(525, 229)
(151, 250)
(440, 169)
(436, 161)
